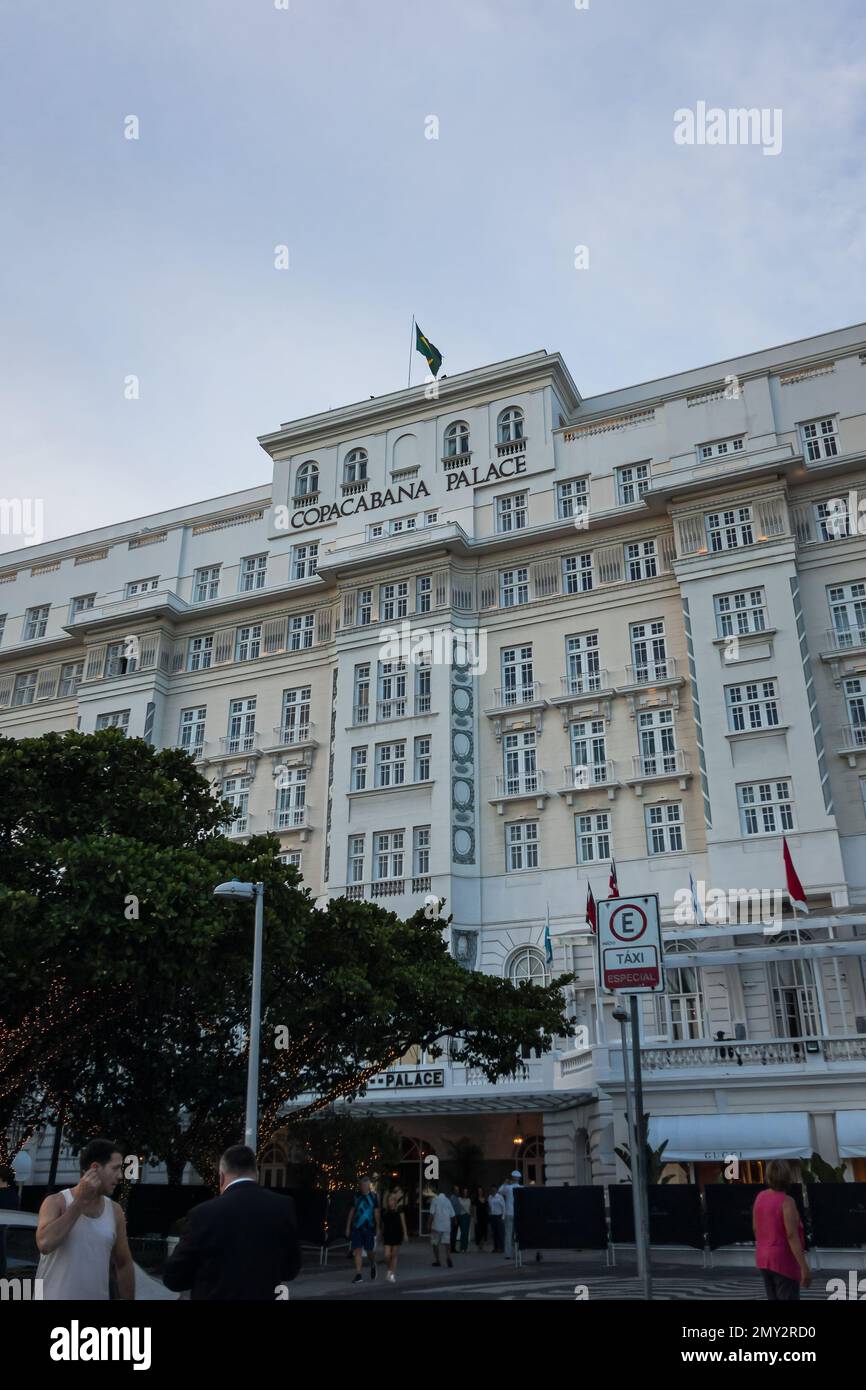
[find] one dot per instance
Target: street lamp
(246, 891)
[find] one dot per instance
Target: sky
(150, 330)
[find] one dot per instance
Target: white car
(147, 1289)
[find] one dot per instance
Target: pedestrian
(400, 1196)
(441, 1218)
(507, 1192)
(241, 1246)
(480, 1205)
(779, 1239)
(10, 1198)
(464, 1220)
(393, 1234)
(362, 1228)
(496, 1217)
(81, 1232)
(457, 1212)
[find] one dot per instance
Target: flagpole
(411, 345)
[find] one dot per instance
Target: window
(361, 699)
(355, 467)
(754, 705)
(392, 690)
(236, 791)
(241, 736)
(740, 613)
(510, 425)
(593, 837)
(248, 642)
(664, 828)
(355, 871)
(305, 560)
(192, 722)
(582, 662)
(833, 521)
(390, 764)
(71, 675)
(295, 726)
(649, 652)
(722, 447)
(206, 584)
(641, 561)
(114, 719)
(199, 653)
(36, 622)
(358, 781)
(855, 699)
(820, 439)
(400, 524)
(457, 439)
(423, 675)
(301, 630)
(24, 690)
(729, 529)
(680, 1010)
(119, 659)
(421, 851)
(521, 846)
(519, 764)
(431, 518)
(795, 998)
(657, 743)
(517, 680)
(572, 499)
(765, 808)
(307, 480)
(142, 586)
(291, 810)
(376, 531)
(254, 569)
(848, 612)
(422, 759)
(292, 858)
(588, 753)
(82, 604)
(513, 587)
(632, 482)
(527, 965)
(423, 593)
(365, 607)
(577, 573)
(394, 601)
(511, 512)
(388, 848)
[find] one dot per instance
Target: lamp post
(246, 891)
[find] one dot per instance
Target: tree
(654, 1162)
(338, 1148)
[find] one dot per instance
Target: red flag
(590, 909)
(795, 887)
(612, 885)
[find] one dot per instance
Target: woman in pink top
(779, 1239)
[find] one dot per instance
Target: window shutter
(178, 656)
(691, 534)
(274, 635)
(223, 645)
(348, 619)
(610, 568)
(488, 589)
(440, 588)
(46, 685)
(147, 652)
(95, 667)
(323, 624)
(666, 551)
(545, 578)
(6, 684)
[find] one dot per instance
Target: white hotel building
(605, 550)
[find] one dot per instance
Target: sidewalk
(415, 1263)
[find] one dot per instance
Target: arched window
(527, 964)
(680, 1010)
(510, 426)
(307, 481)
(456, 439)
(355, 466)
(272, 1166)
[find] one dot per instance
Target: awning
(710, 1138)
(851, 1133)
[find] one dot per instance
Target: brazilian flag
(426, 349)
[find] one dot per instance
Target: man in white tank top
(81, 1230)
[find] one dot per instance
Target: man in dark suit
(241, 1245)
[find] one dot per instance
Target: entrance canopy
(851, 1133)
(711, 1138)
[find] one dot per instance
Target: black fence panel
(339, 1206)
(560, 1218)
(153, 1209)
(34, 1194)
(311, 1209)
(675, 1215)
(838, 1214)
(729, 1212)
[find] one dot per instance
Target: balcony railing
(587, 775)
(360, 714)
(240, 743)
(359, 486)
(853, 737)
(846, 639)
(646, 765)
(513, 696)
(450, 461)
(287, 735)
(396, 708)
(292, 818)
(520, 784)
(387, 887)
(585, 683)
(775, 1052)
(652, 672)
(510, 446)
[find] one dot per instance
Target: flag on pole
(612, 885)
(426, 349)
(795, 888)
(591, 918)
(548, 943)
(697, 909)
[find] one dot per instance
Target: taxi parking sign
(630, 945)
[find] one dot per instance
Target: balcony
(352, 487)
(519, 786)
(509, 448)
(846, 639)
(852, 742)
(525, 696)
(659, 767)
(304, 499)
(583, 685)
(397, 708)
(233, 746)
(588, 777)
(293, 735)
(452, 461)
(660, 671)
(290, 818)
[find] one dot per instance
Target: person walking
(457, 1212)
(496, 1217)
(441, 1219)
(779, 1239)
(464, 1220)
(241, 1246)
(81, 1232)
(507, 1193)
(393, 1234)
(362, 1228)
(480, 1206)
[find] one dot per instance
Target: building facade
(482, 636)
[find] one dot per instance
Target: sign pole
(641, 1176)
